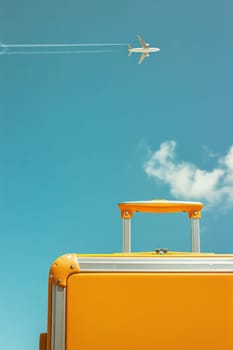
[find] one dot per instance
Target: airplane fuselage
(146, 51)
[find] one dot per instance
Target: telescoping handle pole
(193, 209)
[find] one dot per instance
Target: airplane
(145, 49)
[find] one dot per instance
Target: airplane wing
(141, 58)
(142, 42)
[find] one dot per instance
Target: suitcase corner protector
(62, 268)
(43, 341)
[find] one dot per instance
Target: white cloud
(187, 181)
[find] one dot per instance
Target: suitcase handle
(161, 206)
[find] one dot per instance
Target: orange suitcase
(135, 301)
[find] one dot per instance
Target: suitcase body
(133, 301)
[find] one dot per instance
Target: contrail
(5, 49)
(52, 52)
(62, 45)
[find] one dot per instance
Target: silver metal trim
(58, 318)
(156, 264)
(195, 232)
(126, 235)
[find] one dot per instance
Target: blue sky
(78, 131)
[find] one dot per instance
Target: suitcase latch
(161, 251)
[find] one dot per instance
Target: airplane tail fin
(129, 48)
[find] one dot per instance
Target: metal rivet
(195, 212)
(126, 213)
(51, 275)
(58, 280)
(72, 267)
